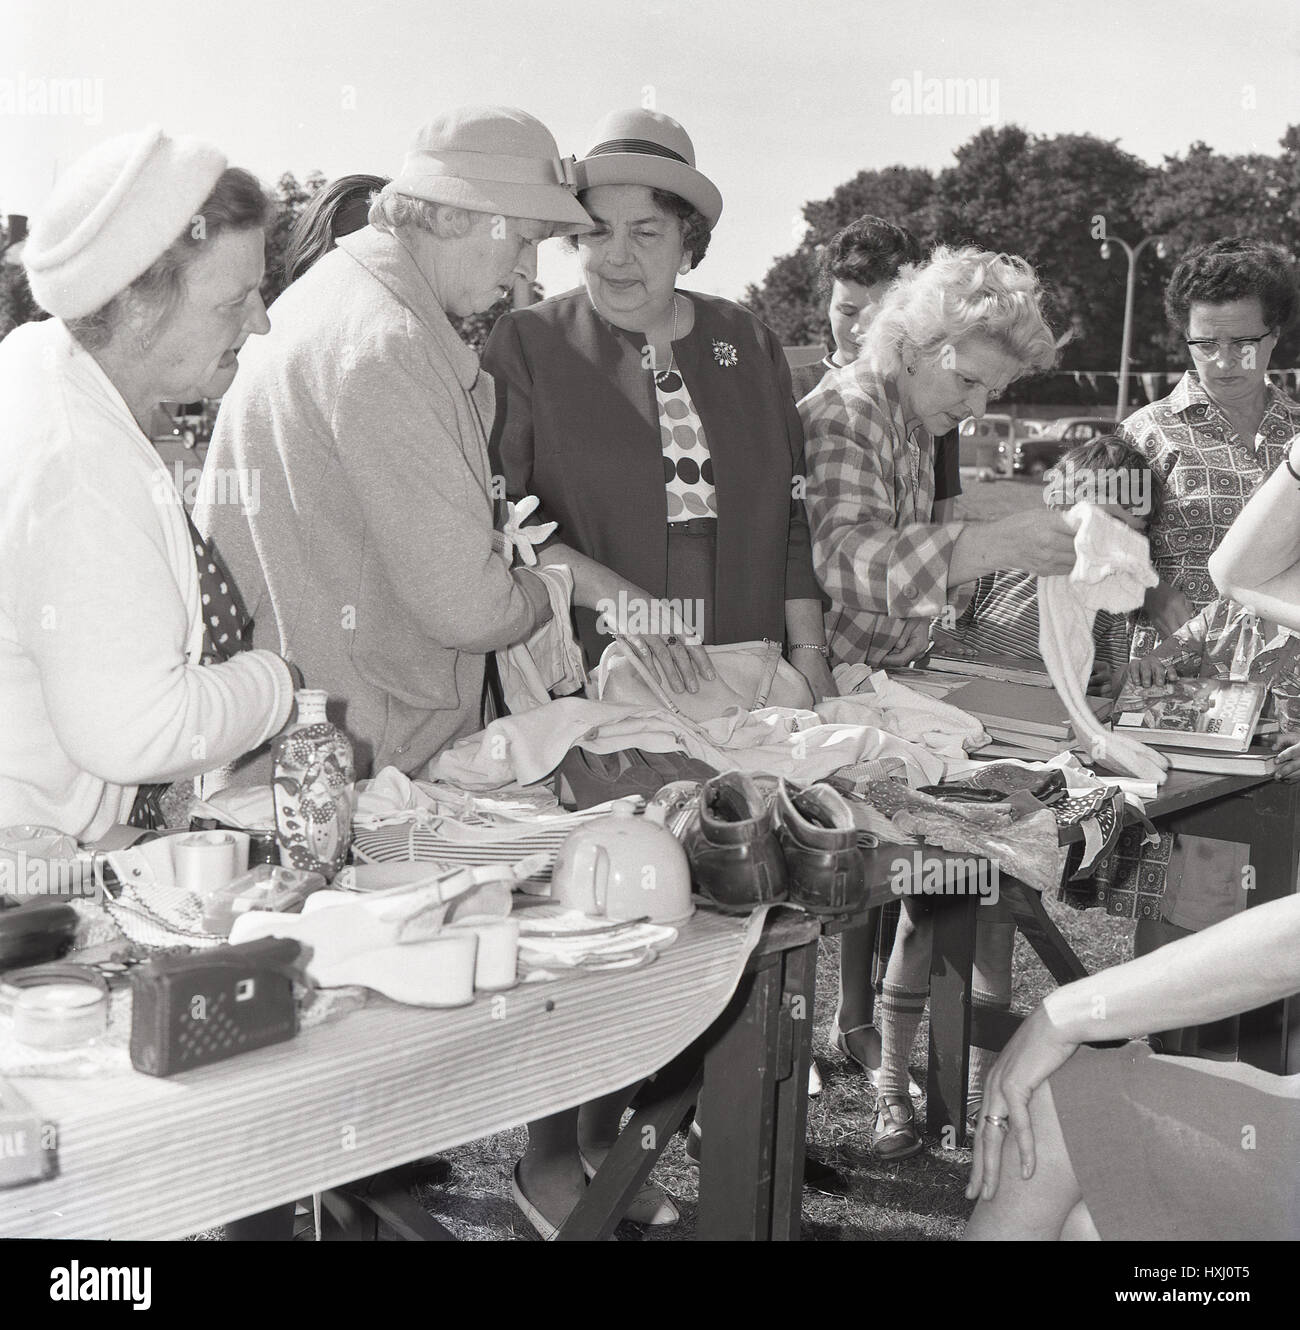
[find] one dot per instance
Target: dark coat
(577, 425)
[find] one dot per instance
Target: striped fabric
(1002, 618)
(453, 844)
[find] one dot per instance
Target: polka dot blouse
(688, 467)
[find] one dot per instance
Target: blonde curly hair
(957, 294)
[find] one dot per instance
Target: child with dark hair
(853, 271)
(1002, 616)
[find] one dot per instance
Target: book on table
(1258, 760)
(1021, 709)
(1214, 715)
(950, 655)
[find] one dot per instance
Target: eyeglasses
(1237, 348)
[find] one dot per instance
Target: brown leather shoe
(736, 860)
(820, 841)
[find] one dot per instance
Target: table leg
(663, 1104)
(950, 1012)
(799, 981)
(738, 1112)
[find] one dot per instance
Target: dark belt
(695, 526)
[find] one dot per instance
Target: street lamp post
(1132, 253)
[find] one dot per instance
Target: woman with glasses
(1224, 427)
(1210, 443)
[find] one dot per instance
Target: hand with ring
(677, 662)
(1032, 1054)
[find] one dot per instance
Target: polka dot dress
(225, 623)
(688, 467)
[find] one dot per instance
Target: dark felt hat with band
(492, 159)
(640, 147)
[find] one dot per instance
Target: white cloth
(551, 660)
(1112, 571)
(911, 715)
(803, 745)
(100, 615)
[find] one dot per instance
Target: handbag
(748, 675)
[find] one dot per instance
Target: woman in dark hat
(658, 428)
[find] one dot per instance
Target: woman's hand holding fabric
(1037, 542)
(1033, 1053)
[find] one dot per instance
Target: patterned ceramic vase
(313, 789)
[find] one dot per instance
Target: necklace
(661, 376)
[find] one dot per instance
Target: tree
(1205, 195)
(16, 303)
(788, 299)
(1051, 200)
(290, 198)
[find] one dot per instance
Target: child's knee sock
(898, 1016)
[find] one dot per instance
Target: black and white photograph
(568, 575)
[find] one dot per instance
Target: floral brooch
(725, 354)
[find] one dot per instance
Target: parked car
(1034, 454)
(982, 444)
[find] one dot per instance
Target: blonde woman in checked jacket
(949, 336)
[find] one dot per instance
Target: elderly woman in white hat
(658, 428)
(371, 557)
(121, 636)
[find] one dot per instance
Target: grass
(919, 1198)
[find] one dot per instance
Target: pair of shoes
(814, 1080)
(651, 1206)
(893, 1133)
(753, 841)
(819, 840)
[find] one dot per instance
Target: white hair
(957, 294)
(389, 212)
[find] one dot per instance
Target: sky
(784, 99)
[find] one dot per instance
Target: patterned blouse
(870, 496)
(688, 467)
(1208, 474)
